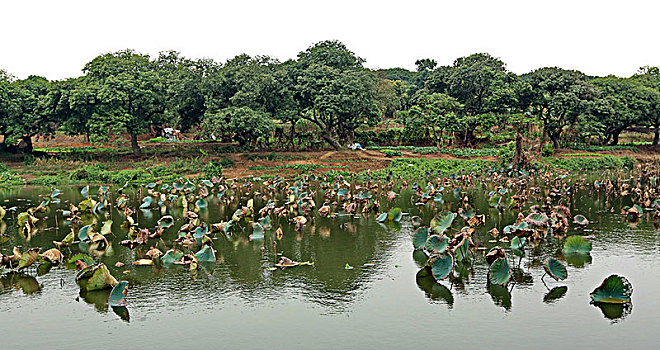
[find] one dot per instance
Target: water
(237, 303)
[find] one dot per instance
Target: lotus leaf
(206, 254)
(437, 244)
(439, 226)
(580, 220)
(28, 258)
(84, 232)
(499, 272)
(420, 237)
(171, 256)
(101, 278)
(394, 214)
(118, 294)
(106, 229)
(382, 217)
(615, 289)
(442, 266)
(577, 245)
(257, 232)
(517, 243)
(146, 202)
(555, 269)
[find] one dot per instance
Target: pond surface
(238, 302)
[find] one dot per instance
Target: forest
(326, 97)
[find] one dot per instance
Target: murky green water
(238, 303)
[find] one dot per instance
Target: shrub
(212, 169)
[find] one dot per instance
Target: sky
(56, 39)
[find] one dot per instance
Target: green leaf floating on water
(576, 245)
(420, 237)
(555, 269)
(437, 244)
(171, 256)
(442, 266)
(206, 254)
(615, 289)
(394, 214)
(118, 294)
(580, 220)
(382, 217)
(499, 272)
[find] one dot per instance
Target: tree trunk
(330, 140)
(292, 135)
(517, 156)
(615, 138)
(25, 144)
(134, 144)
(656, 136)
(554, 137)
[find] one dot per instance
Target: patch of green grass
(303, 167)
(589, 164)
(409, 168)
(589, 154)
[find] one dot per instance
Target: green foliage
(391, 153)
(241, 124)
(548, 150)
(212, 169)
(303, 167)
(418, 168)
(584, 163)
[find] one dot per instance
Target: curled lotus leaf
(171, 256)
(28, 258)
(85, 259)
(555, 269)
(537, 219)
(201, 204)
(420, 237)
(257, 232)
(166, 222)
(517, 243)
(577, 245)
(615, 289)
(106, 229)
(493, 254)
(382, 217)
(437, 244)
(206, 254)
(101, 278)
(580, 220)
(441, 224)
(85, 192)
(416, 221)
(146, 202)
(85, 232)
(53, 255)
(466, 214)
(118, 294)
(395, 214)
(499, 272)
(442, 266)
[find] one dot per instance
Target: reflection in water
(15, 280)
(501, 296)
(420, 258)
(434, 290)
(555, 294)
(521, 277)
(615, 312)
(578, 260)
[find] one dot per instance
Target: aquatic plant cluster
(446, 238)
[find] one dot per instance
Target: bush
(391, 153)
(548, 150)
(212, 169)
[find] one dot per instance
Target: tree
(480, 82)
(184, 83)
(333, 91)
(130, 93)
(433, 114)
(26, 111)
(241, 124)
(622, 104)
(650, 77)
(559, 96)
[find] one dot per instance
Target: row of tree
(250, 99)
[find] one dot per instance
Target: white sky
(56, 38)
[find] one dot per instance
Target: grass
(590, 164)
(413, 168)
(303, 167)
(582, 155)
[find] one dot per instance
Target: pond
(360, 289)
